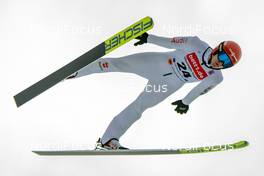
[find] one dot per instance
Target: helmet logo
(233, 54)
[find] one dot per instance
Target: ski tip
(150, 21)
(149, 18)
(241, 144)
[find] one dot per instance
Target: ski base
(205, 149)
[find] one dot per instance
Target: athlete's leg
(148, 65)
(148, 98)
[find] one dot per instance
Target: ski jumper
(185, 64)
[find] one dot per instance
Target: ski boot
(112, 144)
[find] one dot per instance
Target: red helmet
(229, 53)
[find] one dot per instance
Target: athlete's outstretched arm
(207, 84)
(172, 43)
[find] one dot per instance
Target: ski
(97, 52)
(193, 150)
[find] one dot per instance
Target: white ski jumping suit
(171, 69)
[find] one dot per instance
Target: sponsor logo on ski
(208, 148)
(128, 34)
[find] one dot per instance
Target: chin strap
(203, 57)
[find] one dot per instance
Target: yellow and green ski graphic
(214, 148)
(128, 34)
(97, 52)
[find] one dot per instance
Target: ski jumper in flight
(192, 60)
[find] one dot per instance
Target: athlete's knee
(139, 108)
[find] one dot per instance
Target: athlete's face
(215, 63)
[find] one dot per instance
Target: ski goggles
(223, 57)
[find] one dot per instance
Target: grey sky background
(38, 37)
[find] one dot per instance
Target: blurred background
(38, 37)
